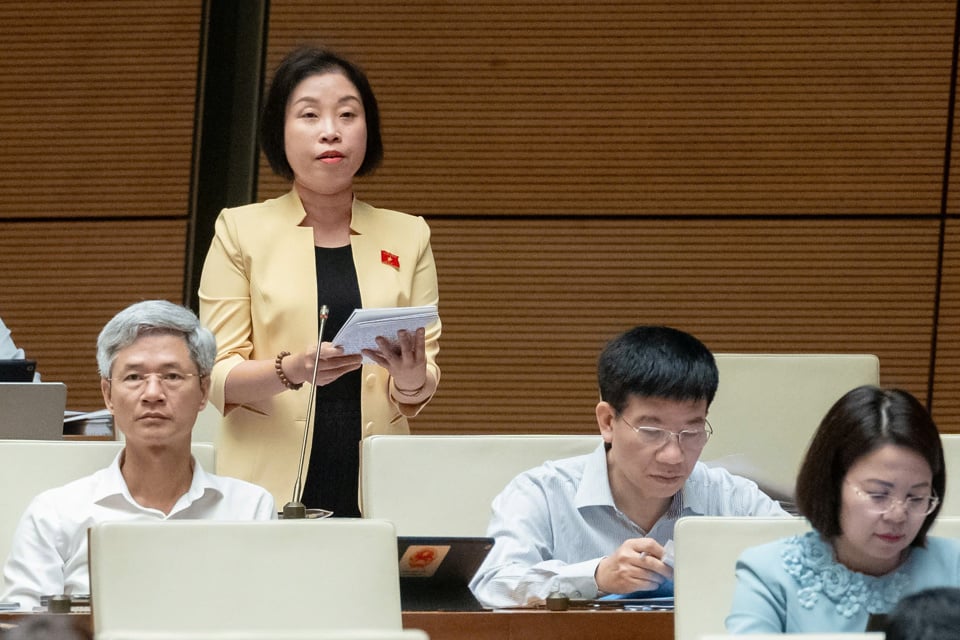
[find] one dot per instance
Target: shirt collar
(359, 219)
(694, 495)
(113, 484)
(594, 489)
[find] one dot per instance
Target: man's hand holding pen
(636, 565)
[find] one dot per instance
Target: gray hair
(155, 317)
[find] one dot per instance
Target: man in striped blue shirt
(602, 523)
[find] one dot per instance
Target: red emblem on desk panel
(390, 259)
(423, 557)
(422, 560)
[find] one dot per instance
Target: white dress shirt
(553, 524)
(48, 555)
(8, 350)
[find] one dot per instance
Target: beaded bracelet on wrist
(278, 365)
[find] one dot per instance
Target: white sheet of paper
(362, 328)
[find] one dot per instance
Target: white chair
(267, 577)
(769, 405)
(207, 426)
(273, 634)
(946, 526)
(707, 548)
(28, 467)
(444, 485)
(951, 457)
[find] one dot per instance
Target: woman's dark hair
(656, 362)
(298, 65)
(860, 422)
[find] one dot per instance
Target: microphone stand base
(294, 511)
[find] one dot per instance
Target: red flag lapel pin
(390, 259)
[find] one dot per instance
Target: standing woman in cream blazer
(271, 266)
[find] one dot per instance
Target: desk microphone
(295, 510)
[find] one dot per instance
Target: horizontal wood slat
(583, 166)
(946, 387)
(97, 107)
(952, 170)
(62, 281)
(528, 304)
(652, 107)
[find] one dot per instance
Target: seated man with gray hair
(155, 360)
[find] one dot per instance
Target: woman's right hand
(331, 364)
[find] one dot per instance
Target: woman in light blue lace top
(870, 485)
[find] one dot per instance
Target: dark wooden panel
(946, 388)
(528, 304)
(97, 107)
(649, 107)
(62, 281)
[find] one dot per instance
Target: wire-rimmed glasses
(169, 380)
(688, 439)
(881, 502)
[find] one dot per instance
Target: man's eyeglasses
(169, 380)
(881, 502)
(688, 439)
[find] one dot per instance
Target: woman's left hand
(405, 359)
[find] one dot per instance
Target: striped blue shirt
(553, 524)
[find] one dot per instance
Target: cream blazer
(258, 294)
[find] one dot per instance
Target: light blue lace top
(794, 585)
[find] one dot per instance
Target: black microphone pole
(295, 510)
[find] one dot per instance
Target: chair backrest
(769, 405)
(204, 576)
(207, 426)
(443, 485)
(28, 467)
(946, 526)
(707, 548)
(951, 457)
(272, 634)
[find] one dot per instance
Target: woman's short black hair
(860, 422)
(298, 65)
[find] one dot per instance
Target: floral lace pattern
(810, 561)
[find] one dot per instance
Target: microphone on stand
(295, 510)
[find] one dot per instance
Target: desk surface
(538, 624)
(511, 625)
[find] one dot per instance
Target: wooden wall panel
(96, 118)
(946, 388)
(764, 174)
(527, 304)
(649, 107)
(96, 107)
(952, 159)
(60, 284)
